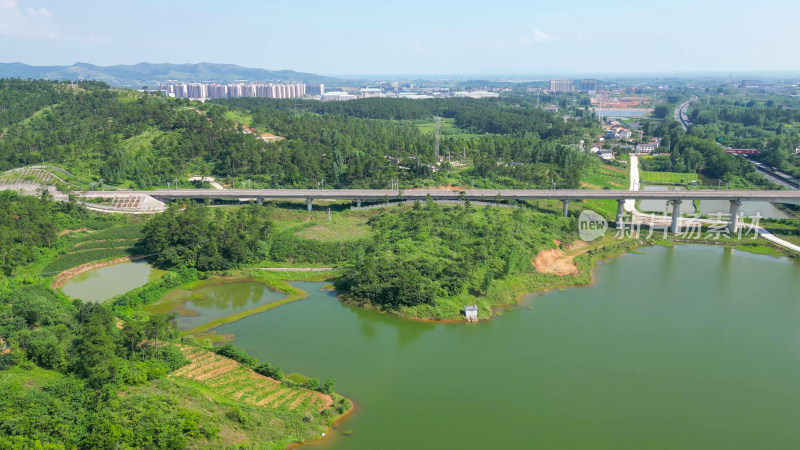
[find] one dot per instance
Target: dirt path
(62, 233)
(61, 279)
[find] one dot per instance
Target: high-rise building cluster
(564, 85)
(560, 85)
(240, 90)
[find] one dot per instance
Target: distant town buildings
(370, 93)
(617, 132)
(338, 96)
(476, 94)
(201, 91)
(315, 89)
(561, 85)
(750, 84)
(413, 96)
(589, 86)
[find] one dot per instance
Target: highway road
(681, 113)
(372, 195)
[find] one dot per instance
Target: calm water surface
(686, 347)
(212, 302)
(709, 207)
(101, 284)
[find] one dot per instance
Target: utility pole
(436, 145)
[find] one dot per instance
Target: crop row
(71, 260)
(132, 231)
(232, 380)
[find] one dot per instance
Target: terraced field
(89, 246)
(29, 175)
(230, 379)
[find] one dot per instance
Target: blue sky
(411, 37)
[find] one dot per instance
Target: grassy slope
(84, 247)
(239, 422)
(447, 127)
(344, 225)
(667, 177)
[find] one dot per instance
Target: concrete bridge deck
(368, 195)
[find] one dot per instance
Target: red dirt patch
(553, 261)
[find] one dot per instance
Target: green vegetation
(118, 137)
(765, 122)
(667, 177)
(605, 176)
(207, 239)
(80, 359)
(29, 229)
(447, 127)
(81, 375)
(428, 261)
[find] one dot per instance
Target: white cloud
(34, 23)
(538, 36)
(38, 12)
(541, 36)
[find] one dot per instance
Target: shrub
(269, 370)
(236, 354)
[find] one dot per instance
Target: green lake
(685, 347)
(103, 283)
(211, 302)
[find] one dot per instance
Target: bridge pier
(309, 203)
(620, 211)
(566, 207)
(733, 221)
(260, 201)
(676, 216)
(358, 203)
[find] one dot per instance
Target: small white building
(645, 149)
(471, 313)
(606, 154)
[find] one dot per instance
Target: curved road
(681, 113)
(630, 206)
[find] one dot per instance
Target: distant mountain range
(147, 74)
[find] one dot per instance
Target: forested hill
(498, 115)
(131, 139)
(137, 75)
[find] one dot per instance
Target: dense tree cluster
(207, 238)
(499, 115)
(356, 149)
(29, 225)
(76, 405)
(430, 252)
(144, 141)
(749, 123)
(123, 135)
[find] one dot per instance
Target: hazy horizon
(510, 38)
